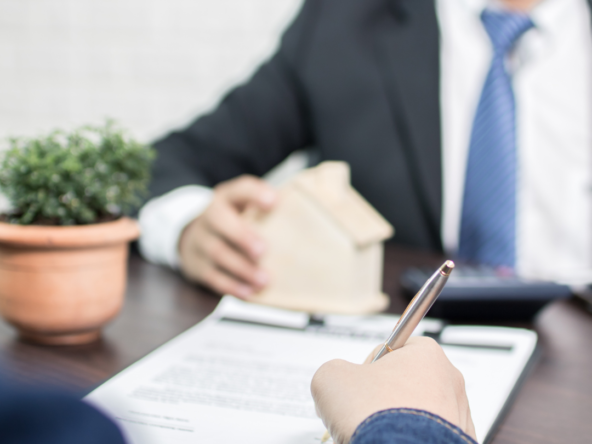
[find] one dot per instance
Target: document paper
(243, 375)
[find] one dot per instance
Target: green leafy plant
(89, 175)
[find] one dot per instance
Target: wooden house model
(325, 245)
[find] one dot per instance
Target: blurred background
(150, 64)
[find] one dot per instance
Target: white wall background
(151, 64)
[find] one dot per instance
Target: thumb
(374, 352)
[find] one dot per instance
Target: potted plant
(64, 243)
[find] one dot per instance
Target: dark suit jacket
(356, 79)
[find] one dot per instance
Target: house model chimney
(325, 245)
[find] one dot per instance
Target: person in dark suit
(453, 115)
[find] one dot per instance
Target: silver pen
(416, 310)
(413, 314)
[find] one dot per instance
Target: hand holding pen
(405, 373)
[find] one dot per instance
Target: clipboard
(250, 366)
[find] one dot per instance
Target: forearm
(408, 426)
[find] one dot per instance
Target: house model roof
(329, 186)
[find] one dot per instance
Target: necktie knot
(504, 28)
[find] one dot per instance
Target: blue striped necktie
(488, 221)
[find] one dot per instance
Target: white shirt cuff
(163, 219)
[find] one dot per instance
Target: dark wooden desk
(554, 405)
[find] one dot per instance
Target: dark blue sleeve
(408, 426)
(28, 417)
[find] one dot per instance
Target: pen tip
(447, 268)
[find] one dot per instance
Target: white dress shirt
(552, 76)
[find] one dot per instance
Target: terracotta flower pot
(60, 285)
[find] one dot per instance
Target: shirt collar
(545, 14)
(553, 16)
(550, 17)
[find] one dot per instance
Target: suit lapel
(409, 57)
(408, 52)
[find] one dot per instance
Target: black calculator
(481, 293)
